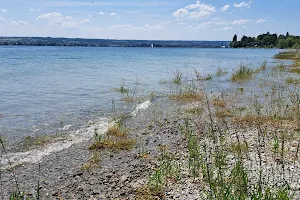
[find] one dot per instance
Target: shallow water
(45, 88)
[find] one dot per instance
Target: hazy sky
(148, 19)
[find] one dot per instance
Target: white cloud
(199, 15)
(18, 23)
(31, 9)
(3, 10)
(243, 4)
(58, 19)
(2, 19)
(101, 13)
(224, 8)
(54, 16)
(201, 7)
(240, 22)
(228, 28)
(181, 13)
(90, 16)
(260, 21)
(113, 14)
(195, 11)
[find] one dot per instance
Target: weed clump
(242, 74)
(177, 77)
(287, 55)
(295, 70)
(221, 72)
(108, 143)
(116, 138)
(293, 81)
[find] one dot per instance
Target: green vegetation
(295, 70)
(221, 72)
(294, 81)
(267, 40)
(92, 163)
(36, 141)
(262, 67)
(177, 77)
(288, 55)
(242, 74)
(116, 137)
(188, 93)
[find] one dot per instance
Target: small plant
(36, 141)
(61, 123)
(92, 163)
(177, 77)
(198, 75)
(280, 67)
(122, 88)
(242, 74)
(108, 143)
(262, 67)
(295, 70)
(275, 144)
(208, 77)
(221, 72)
(293, 81)
(196, 110)
(188, 94)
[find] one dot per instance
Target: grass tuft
(242, 74)
(295, 70)
(221, 72)
(293, 81)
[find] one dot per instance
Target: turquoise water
(43, 86)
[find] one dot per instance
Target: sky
(148, 19)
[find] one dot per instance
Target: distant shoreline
(49, 41)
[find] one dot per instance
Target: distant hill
(48, 41)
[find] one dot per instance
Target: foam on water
(141, 106)
(36, 155)
(81, 135)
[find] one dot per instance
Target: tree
(281, 44)
(260, 37)
(281, 37)
(287, 35)
(244, 38)
(234, 38)
(289, 42)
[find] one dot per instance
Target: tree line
(267, 40)
(48, 41)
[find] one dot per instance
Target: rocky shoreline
(119, 174)
(183, 146)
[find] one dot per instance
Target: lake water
(41, 87)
